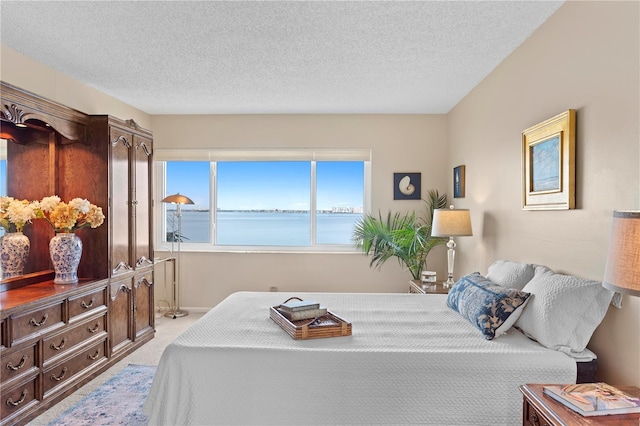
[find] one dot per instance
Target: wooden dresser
(55, 338)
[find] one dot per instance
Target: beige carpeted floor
(167, 329)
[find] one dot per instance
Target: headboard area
(563, 311)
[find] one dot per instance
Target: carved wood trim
(22, 107)
(123, 140)
(115, 290)
(122, 268)
(130, 126)
(144, 281)
(145, 147)
(143, 261)
(14, 114)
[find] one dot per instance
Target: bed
(410, 360)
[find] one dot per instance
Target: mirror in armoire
(39, 139)
(27, 172)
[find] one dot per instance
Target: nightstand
(539, 409)
(417, 287)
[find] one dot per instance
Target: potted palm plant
(405, 236)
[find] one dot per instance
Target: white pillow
(509, 274)
(563, 310)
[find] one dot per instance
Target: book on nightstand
(595, 399)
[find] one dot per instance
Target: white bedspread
(410, 360)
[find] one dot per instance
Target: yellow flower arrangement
(67, 217)
(15, 214)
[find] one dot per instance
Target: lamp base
(448, 283)
(176, 313)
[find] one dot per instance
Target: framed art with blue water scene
(548, 164)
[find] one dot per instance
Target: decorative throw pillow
(564, 310)
(491, 308)
(510, 274)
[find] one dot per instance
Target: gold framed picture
(548, 164)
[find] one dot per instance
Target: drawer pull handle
(536, 420)
(19, 366)
(35, 323)
(61, 376)
(84, 305)
(18, 402)
(95, 356)
(60, 346)
(94, 329)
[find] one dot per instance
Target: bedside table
(539, 409)
(417, 287)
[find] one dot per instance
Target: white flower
(4, 202)
(20, 213)
(49, 203)
(80, 205)
(67, 217)
(15, 214)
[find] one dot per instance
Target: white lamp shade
(622, 272)
(451, 223)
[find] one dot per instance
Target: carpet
(118, 401)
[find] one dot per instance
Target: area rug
(118, 401)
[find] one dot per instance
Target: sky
(3, 177)
(269, 184)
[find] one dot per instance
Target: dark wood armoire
(55, 338)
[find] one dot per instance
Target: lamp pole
(178, 200)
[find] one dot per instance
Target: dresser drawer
(532, 417)
(64, 372)
(16, 399)
(36, 321)
(17, 362)
(63, 342)
(87, 302)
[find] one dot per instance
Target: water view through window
(268, 203)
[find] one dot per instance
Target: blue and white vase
(65, 250)
(14, 250)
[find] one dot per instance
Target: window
(190, 178)
(271, 200)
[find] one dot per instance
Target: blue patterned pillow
(491, 308)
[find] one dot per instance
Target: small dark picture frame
(458, 182)
(406, 186)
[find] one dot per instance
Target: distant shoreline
(266, 211)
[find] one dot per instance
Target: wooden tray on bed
(329, 325)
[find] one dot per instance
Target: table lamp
(178, 200)
(622, 271)
(451, 223)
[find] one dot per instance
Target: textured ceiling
(211, 57)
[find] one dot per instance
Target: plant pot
(65, 250)
(14, 250)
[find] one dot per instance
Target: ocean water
(268, 228)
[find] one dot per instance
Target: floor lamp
(451, 223)
(178, 200)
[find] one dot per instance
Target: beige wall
(22, 71)
(399, 143)
(585, 57)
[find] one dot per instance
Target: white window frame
(161, 156)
